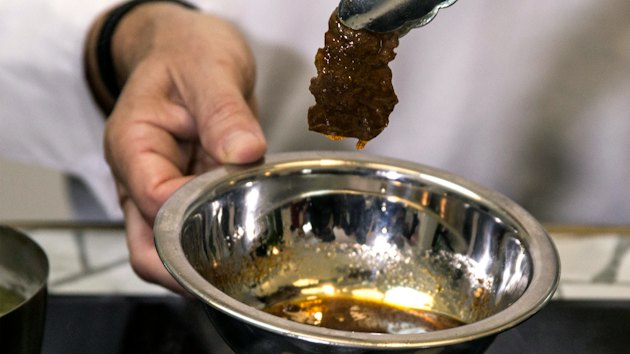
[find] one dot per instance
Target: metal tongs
(389, 15)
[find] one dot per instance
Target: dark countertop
(111, 324)
(118, 313)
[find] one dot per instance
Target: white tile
(120, 280)
(61, 250)
(583, 257)
(623, 270)
(587, 291)
(104, 247)
(558, 294)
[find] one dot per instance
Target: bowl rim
(542, 251)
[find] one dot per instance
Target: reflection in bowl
(351, 253)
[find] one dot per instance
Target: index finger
(147, 159)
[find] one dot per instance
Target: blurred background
(32, 193)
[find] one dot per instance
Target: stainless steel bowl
(364, 230)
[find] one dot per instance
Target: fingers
(142, 253)
(145, 154)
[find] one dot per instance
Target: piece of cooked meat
(353, 89)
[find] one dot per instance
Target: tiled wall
(594, 266)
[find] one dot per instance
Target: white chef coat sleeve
(47, 114)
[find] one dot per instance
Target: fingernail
(243, 146)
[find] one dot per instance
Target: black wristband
(104, 59)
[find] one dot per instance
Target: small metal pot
(23, 271)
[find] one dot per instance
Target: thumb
(228, 129)
(215, 79)
(219, 95)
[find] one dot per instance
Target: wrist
(119, 39)
(141, 31)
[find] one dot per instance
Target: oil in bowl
(361, 315)
(9, 300)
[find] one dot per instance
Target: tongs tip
(389, 15)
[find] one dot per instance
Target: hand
(187, 104)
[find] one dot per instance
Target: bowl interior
(372, 248)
